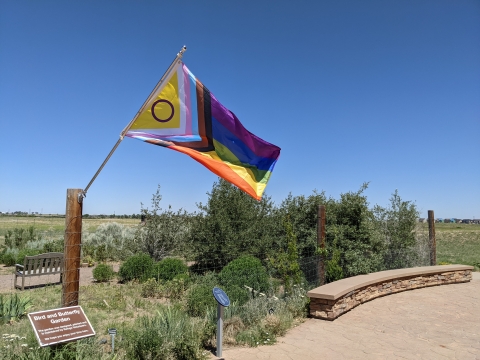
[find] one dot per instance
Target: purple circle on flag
(155, 116)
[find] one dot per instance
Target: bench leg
(23, 282)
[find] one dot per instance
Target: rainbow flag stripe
(183, 115)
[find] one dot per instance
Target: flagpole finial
(184, 48)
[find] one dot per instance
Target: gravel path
(7, 281)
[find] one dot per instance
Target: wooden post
(73, 240)
(431, 237)
(321, 242)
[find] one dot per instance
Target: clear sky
(352, 91)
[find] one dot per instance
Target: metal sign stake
(219, 329)
(113, 332)
(223, 301)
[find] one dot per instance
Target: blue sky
(386, 92)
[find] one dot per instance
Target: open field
(53, 227)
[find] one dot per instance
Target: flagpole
(125, 130)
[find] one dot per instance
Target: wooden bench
(38, 265)
(334, 299)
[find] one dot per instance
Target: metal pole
(219, 329)
(125, 130)
(431, 237)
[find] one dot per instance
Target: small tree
(397, 224)
(163, 232)
(286, 262)
(351, 234)
(231, 224)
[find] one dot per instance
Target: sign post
(223, 301)
(113, 332)
(60, 325)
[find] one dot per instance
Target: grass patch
(456, 243)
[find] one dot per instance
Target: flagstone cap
(337, 289)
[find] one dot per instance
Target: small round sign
(221, 297)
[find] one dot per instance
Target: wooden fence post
(431, 238)
(321, 242)
(73, 242)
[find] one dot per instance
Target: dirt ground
(7, 278)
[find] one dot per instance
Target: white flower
(24, 345)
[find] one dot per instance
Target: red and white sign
(60, 325)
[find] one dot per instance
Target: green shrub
(103, 272)
(170, 334)
(150, 288)
(169, 268)
(26, 252)
(245, 271)
(137, 267)
(10, 258)
(176, 288)
(13, 307)
(53, 246)
(200, 296)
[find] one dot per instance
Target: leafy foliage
(170, 334)
(169, 268)
(163, 232)
(199, 297)
(231, 224)
(397, 225)
(103, 272)
(13, 307)
(18, 237)
(111, 241)
(352, 235)
(245, 271)
(286, 263)
(137, 267)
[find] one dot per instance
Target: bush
(175, 288)
(26, 252)
(150, 288)
(137, 267)
(246, 270)
(200, 296)
(169, 268)
(103, 272)
(163, 231)
(170, 334)
(110, 241)
(53, 246)
(10, 258)
(231, 224)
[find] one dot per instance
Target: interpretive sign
(60, 325)
(221, 297)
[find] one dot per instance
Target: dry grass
(457, 243)
(53, 227)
